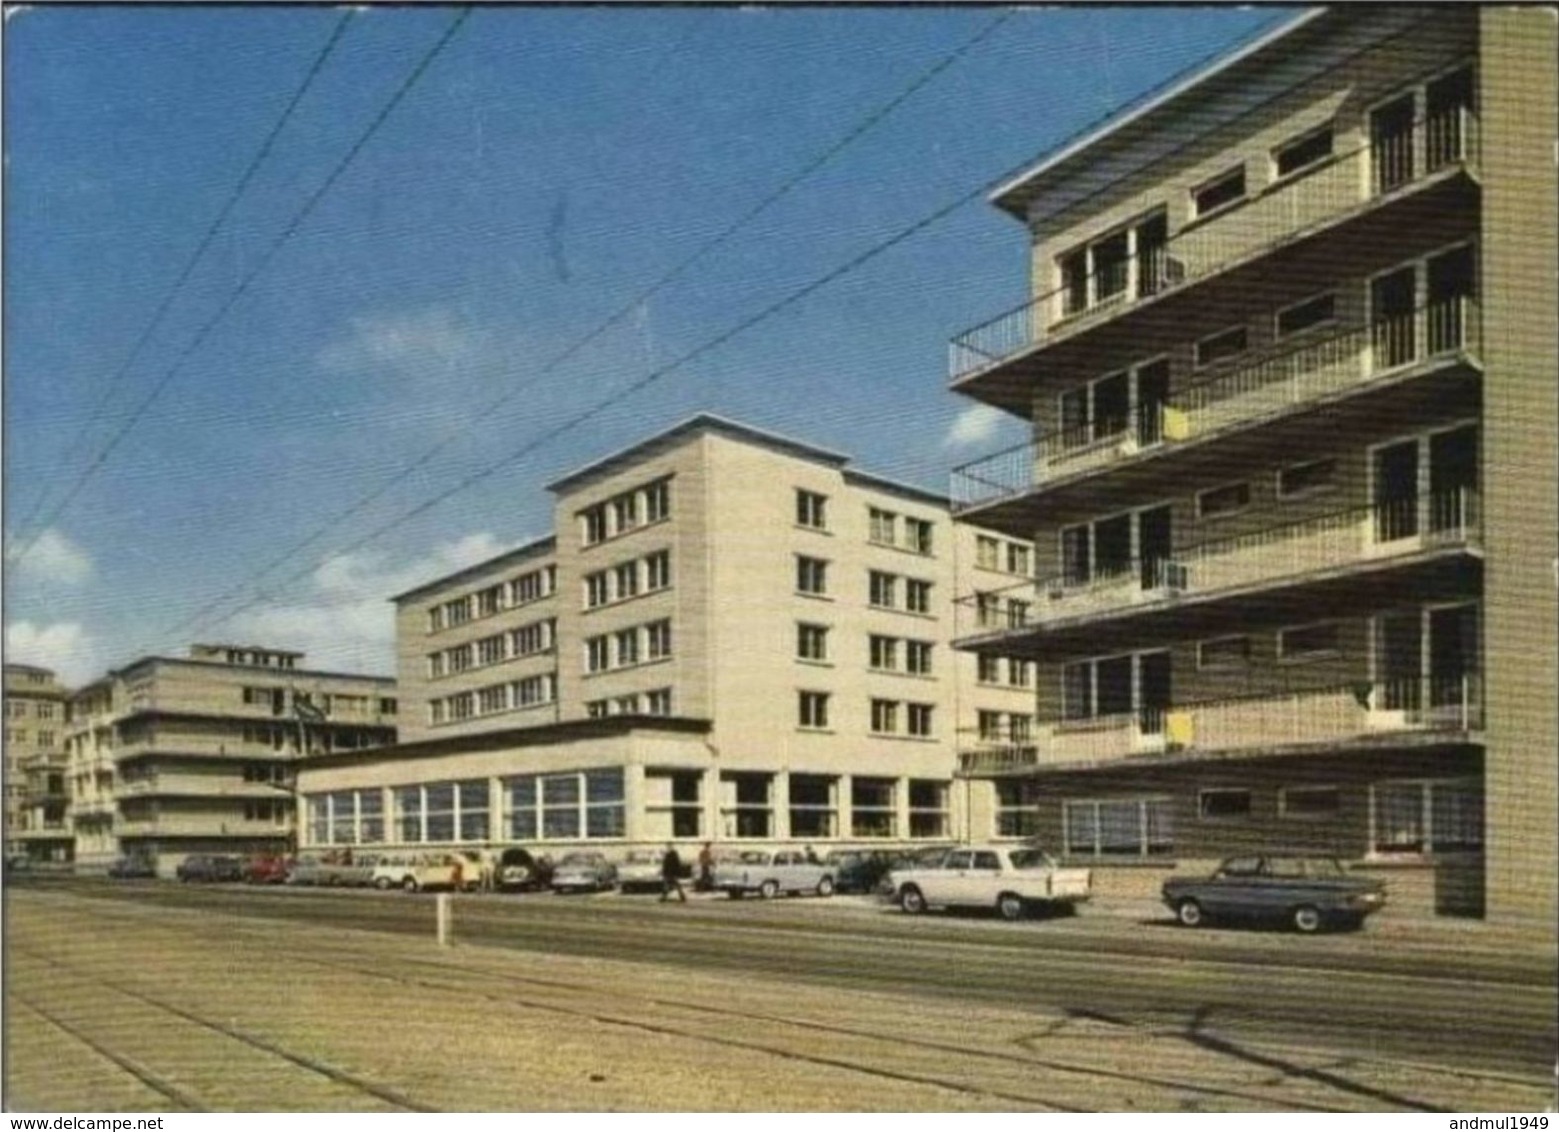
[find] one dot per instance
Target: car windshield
(579, 859)
(753, 857)
(1031, 859)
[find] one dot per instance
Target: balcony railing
(1336, 714)
(1290, 206)
(1268, 385)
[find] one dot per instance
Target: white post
(441, 904)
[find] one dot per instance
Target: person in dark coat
(671, 876)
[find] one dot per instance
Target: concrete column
(842, 805)
(779, 804)
(635, 827)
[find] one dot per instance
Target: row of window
(274, 699)
(655, 702)
(625, 512)
(19, 735)
(18, 709)
(884, 528)
(638, 644)
(992, 553)
(528, 640)
(628, 579)
(888, 717)
(515, 695)
(533, 585)
(1020, 673)
(1409, 817)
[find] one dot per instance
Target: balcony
(200, 825)
(1341, 542)
(1390, 711)
(1346, 185)
(1276, 383)
(196, 786)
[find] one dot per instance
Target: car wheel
(382, 884)
(1307, 919)
(409, 884)
(911, 899)
(769, 889)
(825, 887)
(1010, 906)
(1189, 913)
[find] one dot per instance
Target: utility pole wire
(189, 267)
(270, 253)
(864, 126)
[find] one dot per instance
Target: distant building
(731, 636)
(36, 825)
(174, 756)
(1289, 364)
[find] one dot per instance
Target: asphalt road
(1451, 999)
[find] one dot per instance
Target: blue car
(1308, 893)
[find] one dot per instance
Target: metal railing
(1266, 385)
(1297, 203)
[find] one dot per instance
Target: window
(882, 589)
(530, 639)
(435, 665)
(811, 642)
(928, 811)
(1303, 152)
(1308, 641)
(657, 636)
(918, 535)
(811, 575)
(1224, 500)
(1223, 652)
(567, 806)
(812, 812)
(1119, 827)
(626, 580)
(987, 552)
(917, 596)
(884, 653)
(657, 571)
(1302, 316)
(812, 710)
(885, 717)
(884, 526)
(492, 650)
(460, 658)
(917, 657)
(1214, 804)
(597, 591)
(435, 619)
(988, 669)
(745, 807)
(597, 654)
(489, 601)
(918, 719)
(457, 612)
(494, 699)
(593, 524)
(1019, 559)
(626, 705)
(627, 647)
(462, 706)
(1219, 193)
(658, 702)
(625, 513)
(1017, 811)
(533, 586)
(1427, 817)
(1224, 344)
(811, 510)
(873, 807)
(1300, 479)
(1309, 802)
(657, 501)
(534, 690)
(1019, 672)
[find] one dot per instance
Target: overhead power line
(200, 250)
(845, 140)
(270, 254)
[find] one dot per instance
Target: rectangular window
(592, 523)
(533, 690)
(1224, 344)
(472, 798)
(917, 596)
(462, 706)
(884, 526)
(1309, 802)
(627, 647)
(1020, 673)
(626, 580)
(918, 719)
(494, 699)
(811, 575)
(987, 552)
(1214, 804)
(597, 590)
(457, 612)
(657, 635)
(928, 809)
(884, 653)
(885, 717)
(625, 513)
(657, 501)
(811, 642)
(745, 808)
(1310, 313)
(1303, 152)
(918, 535)
(435, 665)
(489, 601)
(1427, 817)
(1223, 652)
(917, 657)
(812, 710)
(1219, 193)
(1300, 479)
(1224, 500)
(1308, 641)
(597, 654)
(1017, 812)
(812, 811)
(492, 650)
(658, 702)
(882, 589)
(873, 807)
(657, 571)
(988, 669)
(1019, 559)
(1118, 828)
(811, 510)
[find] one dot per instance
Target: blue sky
(548, 167)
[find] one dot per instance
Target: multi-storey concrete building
(731, 635)
(36, 825)
(174, 756)
(1288, 362)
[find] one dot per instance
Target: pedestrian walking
(671, 876)
(706, 868)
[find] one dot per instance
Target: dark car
(858, 870)
(210, 869)
(1307, 892)
(519, 870)
(132, 868)
(267, 869)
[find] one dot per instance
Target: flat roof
(525, 550)
(247, 669)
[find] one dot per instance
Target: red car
(265, 870)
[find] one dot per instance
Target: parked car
(639, 870)
(770, 873)
(1307, 892)
(210, 870)
(132, 868)
(519, 870)
(268, 869)
(1013, 880)
(416, 872)
(858, 870)
(583, 872)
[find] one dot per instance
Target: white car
(584, 872)
(1010, 879)
(640, 869)
(415, 872)
(769, 873)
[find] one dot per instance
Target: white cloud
(435, 337)
(52, 557)
(63, 646)
(974, 425)
(348, 622)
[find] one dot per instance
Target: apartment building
(1288, 363)
(169, 756)
(731, 636)
(35, 800)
